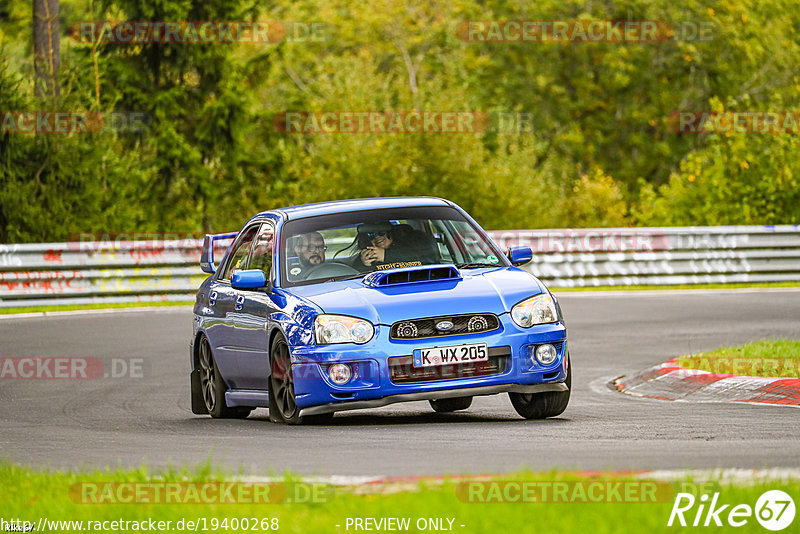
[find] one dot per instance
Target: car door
(222, 299)
(249, 318)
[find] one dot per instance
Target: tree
(46, 47)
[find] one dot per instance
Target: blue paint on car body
(459, 291)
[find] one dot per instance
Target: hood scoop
(411, 275)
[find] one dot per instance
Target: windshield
(350, 245)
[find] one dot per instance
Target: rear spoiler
(207, 254)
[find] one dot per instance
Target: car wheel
(282, 402)
(542, 405)
(213, 387)
(450, 405)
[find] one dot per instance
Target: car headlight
(342, 329)
(535, 310)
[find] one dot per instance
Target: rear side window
(261, 258)
(238, 261)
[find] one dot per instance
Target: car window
(442, 236)
(263, 246)
(349, 244)
(468, 241)
(238, 260)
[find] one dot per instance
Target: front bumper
(372, 385)
(431, 395)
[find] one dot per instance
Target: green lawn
(72, 307)
(31, 495)
(775, 357)
(753, 285)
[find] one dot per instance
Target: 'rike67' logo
(774, 510)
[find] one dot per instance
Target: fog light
(340, 373)
(546, 354)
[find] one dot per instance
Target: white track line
(727, 475)
(732, 475)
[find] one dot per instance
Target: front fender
(296, 319)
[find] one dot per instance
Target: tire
(542, 405)
(282, 403)
(450, 405)
(213, 387)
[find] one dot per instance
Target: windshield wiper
(346, 277)
(476, 264)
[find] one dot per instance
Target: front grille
(473, 323)
(402, 370)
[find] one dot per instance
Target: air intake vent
(413, 275)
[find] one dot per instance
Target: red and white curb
(370, 485)
(670, 381)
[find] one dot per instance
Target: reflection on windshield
(350, 245)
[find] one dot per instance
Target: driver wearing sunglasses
(381, 244)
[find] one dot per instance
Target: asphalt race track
(127, 421)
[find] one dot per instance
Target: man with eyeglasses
(310, 251)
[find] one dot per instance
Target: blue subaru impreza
(357, 304)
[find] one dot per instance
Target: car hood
(480, 290)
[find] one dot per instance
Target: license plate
(452, 355)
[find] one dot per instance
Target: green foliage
(52, 185)
(769, 357)
(733, 179)
(600, 152)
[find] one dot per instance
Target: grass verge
(73, 307)
(456, 504)
(772, 358)
(754, 285)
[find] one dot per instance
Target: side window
(468, 240)
(441, 238)
(238, 260)
(261, 258)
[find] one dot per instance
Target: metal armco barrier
(659, 256)
(100, 272)
(150, 271)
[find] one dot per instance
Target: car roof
(337, 206)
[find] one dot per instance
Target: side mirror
(250, 279)
(520, 255)
(207, 254)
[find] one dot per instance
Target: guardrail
(99, 272)
(660, 256)
(150, 271)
